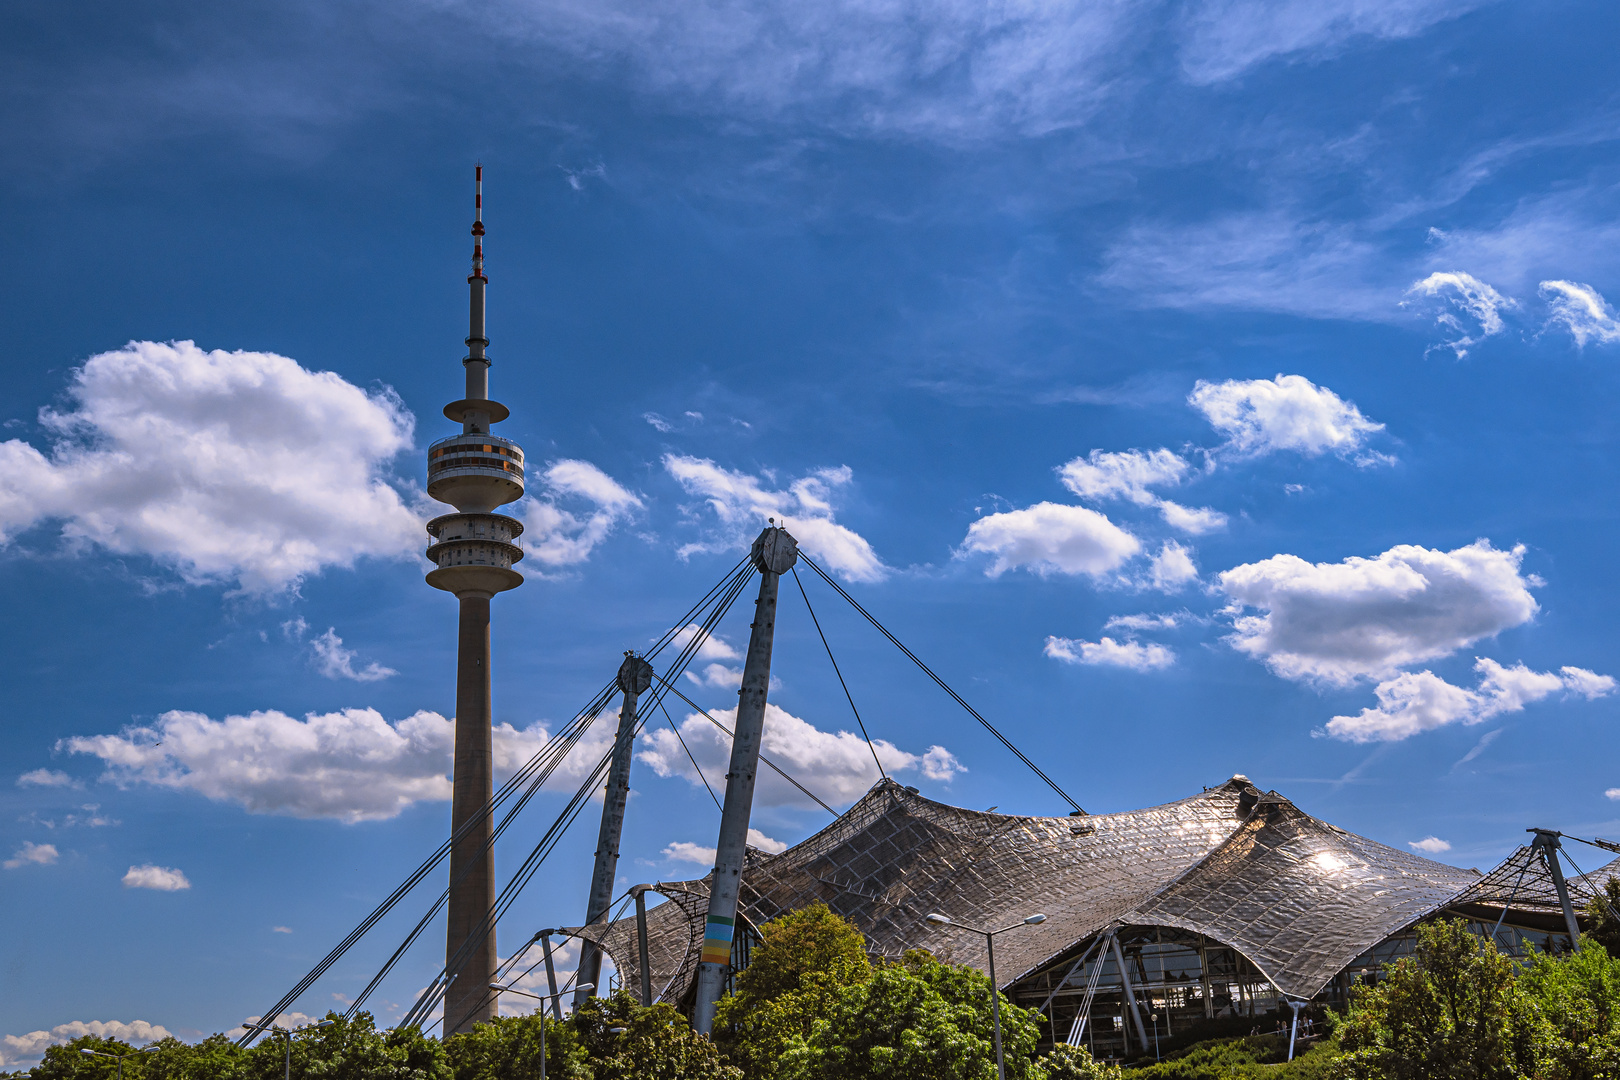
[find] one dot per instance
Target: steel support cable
(563, 747)
(623, 902)
(508, 895)
(1599, 893)
(387, 905)
(706, 786)
(779, 771)
(731, 582)
(847, 696)
(988, 726)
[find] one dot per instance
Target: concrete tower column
(473, 551)
(774, 554)
(635, 676)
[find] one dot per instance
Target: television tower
(473, 551)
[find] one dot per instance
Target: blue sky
(1203, 387)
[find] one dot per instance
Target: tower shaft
(472, 864)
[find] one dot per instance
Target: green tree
(624, 1041)
(802, 963)
(1451, 1012)
(1579, 996)
(349, 1050)
(508, 1048)
(1067, 1062)
(915, 1020)
(1605, 927)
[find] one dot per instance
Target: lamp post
(118, 1057)
(542, 999)
(287, 1061)
(995, 991)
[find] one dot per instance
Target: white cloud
(1582, 311)
(837, 767)
(1221, 39)
(1128, 474)
(714, 647)
(718, 676)
(46, 778)
(1263, 416)
(281, 929)
(32, 854)
(741, 503)
(1051, 538)
(19, 1048)
(1195, 521)
(1612, 793)
(159, 878)
(1334, 623)
(686, 851)
(1134, 623)
(350, 765)
(226, 466)
(1107, 652)
(336, 662)
(1463, 295)
(555, 536)
(1413, 703)
(1172, 568)
(1430, 845)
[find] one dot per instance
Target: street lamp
(990, 948)
(542, 999)
(119, 1057)
(287, 1063)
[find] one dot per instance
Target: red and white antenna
(478, 223)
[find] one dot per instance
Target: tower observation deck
(473, 551)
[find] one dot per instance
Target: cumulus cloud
(1612, 793)
(1582, 311)
(686, 851)
(351, 765)
(1051, 538)
(1463, 296)
(1412, 703)
(741, 503)
(19, 1048)
(1335, 623)
(32, 854)
(46, 778)
(837, 766)
(1172, 568)
(236, 467)
(159, 878)
(1429, 845)
(556, 536)
(1128, 475)
(1106, 652)
(1263, 416)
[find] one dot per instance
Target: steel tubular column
(1130, 994)
(774, 554)
(641, 946)
(1546, 842)
(635, 676)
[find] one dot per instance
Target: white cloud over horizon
(1106, 652)
(351, 765)
(741, 503)
(836, 766)
(18, 1049)
(226, 467)
(1429, 845)
(1336, 623)
(1412, 703)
